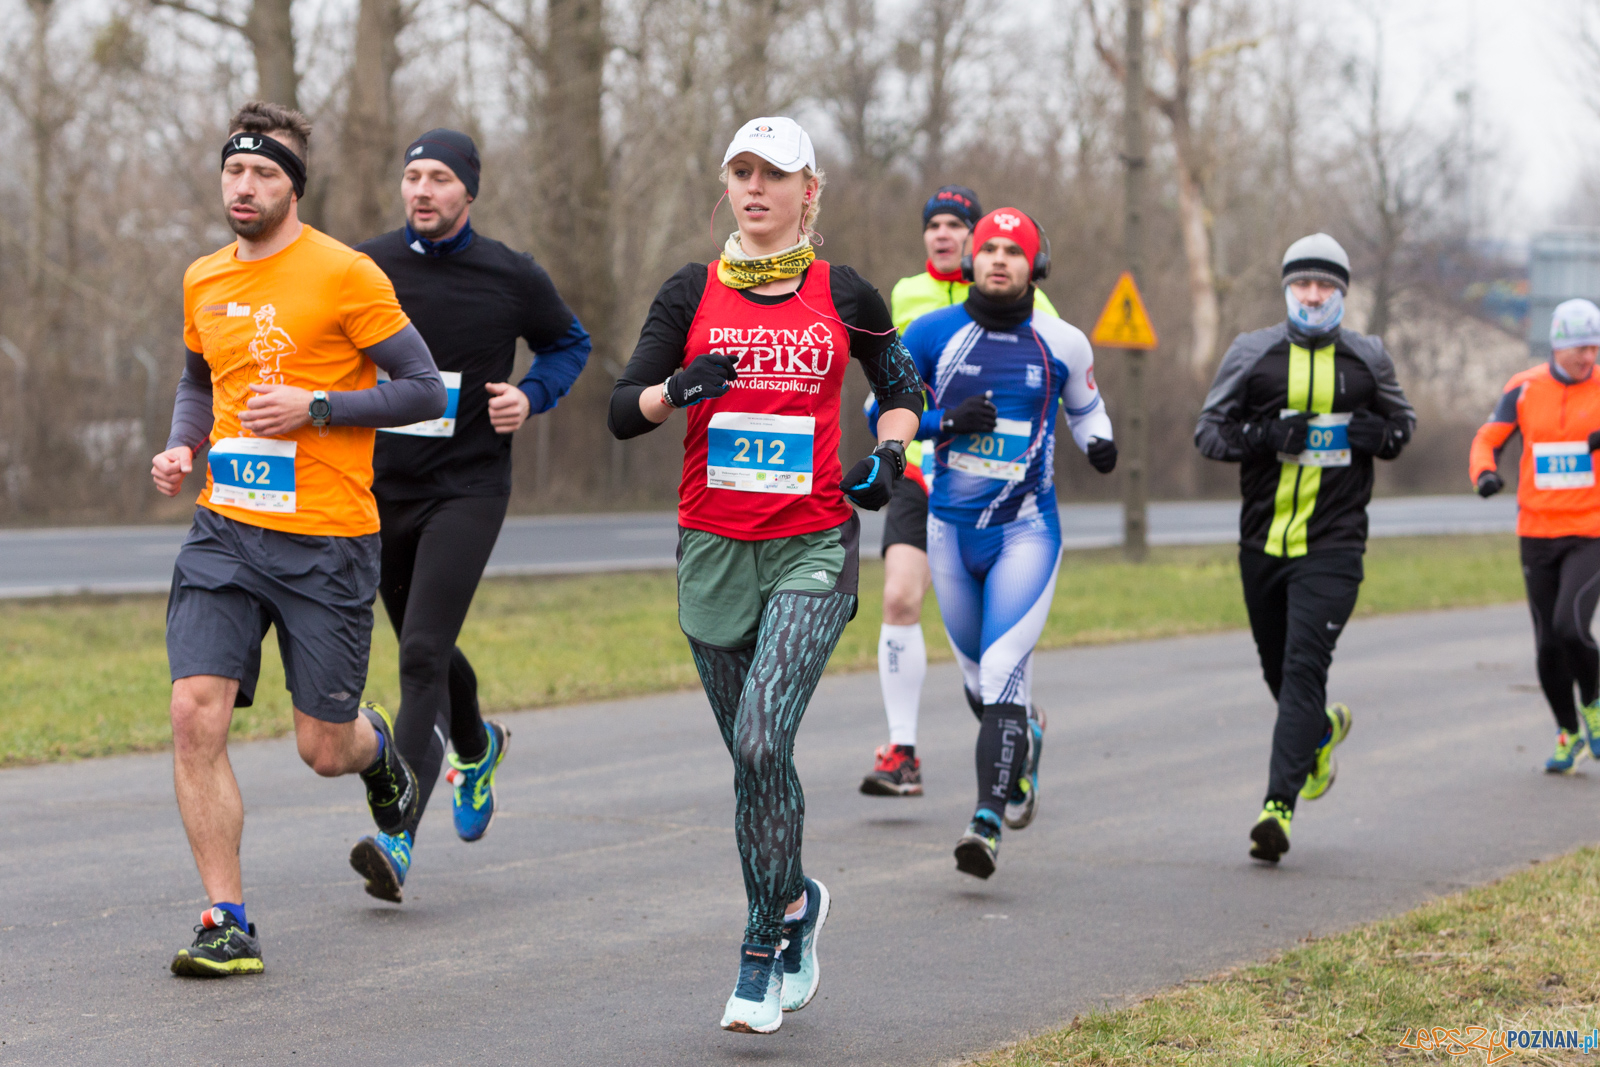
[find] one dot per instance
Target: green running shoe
(1569, 749)
(392, 791)
(221, 948)
(1269, 838)
(1591, 724)
(979, 848)
(1321, 779)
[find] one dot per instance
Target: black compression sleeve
(414, 393)
(660, 349)
(192, 414)
(545, 316)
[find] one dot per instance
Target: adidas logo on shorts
(821, 576)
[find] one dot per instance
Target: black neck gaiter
(993, 315)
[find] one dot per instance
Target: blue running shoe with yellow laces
(1569, 747)
(1591, 726)
(383, 861)
(801, 976)
(473, 801)
(755, 1007)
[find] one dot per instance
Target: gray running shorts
(232, 580)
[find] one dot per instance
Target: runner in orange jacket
(1556, 408)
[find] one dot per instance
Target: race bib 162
(256, 473)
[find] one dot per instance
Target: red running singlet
(762, 461)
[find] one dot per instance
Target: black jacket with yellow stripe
(1290, 509)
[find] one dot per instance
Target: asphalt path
(138, 559)
(598, 922)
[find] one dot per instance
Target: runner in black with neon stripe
(443, 486)
(756, 347)
(1303, 407)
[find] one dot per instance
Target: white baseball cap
(778, 140)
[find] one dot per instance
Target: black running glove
(707, 378)
(1367, 432)
(869, 482)
(1102, 454)
(1268, 437)
(975, 414)
(1594, 441)
(1489, 483)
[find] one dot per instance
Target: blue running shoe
(1591, 726)
(979, 848)
(1569, 747)
(755, 1007)
(801, 977)
(1023, 802)
(473, 801)
(383, 861)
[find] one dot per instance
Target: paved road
(598, 922)
(129, 559)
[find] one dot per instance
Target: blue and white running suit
(994, 535)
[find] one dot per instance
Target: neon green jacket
(919, 294)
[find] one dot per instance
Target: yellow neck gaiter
(739, 271)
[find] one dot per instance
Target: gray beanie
(1576, 324)
(1317, 258)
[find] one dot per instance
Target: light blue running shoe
(383, 861)
(754, 1007)
(1023, 803)
(473, 801)
(801, 976)
(1569, 749)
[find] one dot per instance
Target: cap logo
(417, 151)
(246, 142)
(1007, 221)
(763, 129)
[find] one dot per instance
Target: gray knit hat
(1317, 258)
(1576, 324)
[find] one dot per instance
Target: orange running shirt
(1557, 495)
(300, 317)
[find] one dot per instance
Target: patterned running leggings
(759, 695)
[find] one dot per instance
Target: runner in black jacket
(443, 486)
(1303, 407)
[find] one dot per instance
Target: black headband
(258, 144)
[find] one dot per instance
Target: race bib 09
(444, 426)
(256, 473)
(1562, 465)
(1000, 454)
(752, 453)
(1327, 442)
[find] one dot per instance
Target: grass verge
(1522, 954)
(87, 676)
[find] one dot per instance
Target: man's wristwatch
(898, 451)
(321, 410)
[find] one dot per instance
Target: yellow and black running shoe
(392, 791)
(1327, 769)
(1269, 837)
(221, 948)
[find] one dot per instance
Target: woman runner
(755, 345)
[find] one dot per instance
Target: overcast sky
(1531, 107)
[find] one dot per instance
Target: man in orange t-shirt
(1556, 408)
(286, 330)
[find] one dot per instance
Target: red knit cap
(1007, 222)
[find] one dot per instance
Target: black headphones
(1041, 259)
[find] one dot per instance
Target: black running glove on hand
(975, 414)
(1594, 441)
(1489, 484)
(707, 378)
(1102, 454)
(1286, 436)
(868, 483)
(1367, 432)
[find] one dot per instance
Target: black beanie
(452, 148)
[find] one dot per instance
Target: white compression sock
(902, 664)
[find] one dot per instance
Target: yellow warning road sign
(1124, 323)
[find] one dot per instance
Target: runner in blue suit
(997, 373)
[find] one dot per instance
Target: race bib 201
(1000, 454)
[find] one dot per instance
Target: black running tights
(434, 552)
(759, 695)
(1563, 579)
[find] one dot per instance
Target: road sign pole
(1134, 435)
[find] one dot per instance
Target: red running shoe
(898, 773)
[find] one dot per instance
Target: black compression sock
(1002, 749)
(468, 735)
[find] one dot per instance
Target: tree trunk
(946, 24)
(270, 31)
(370, 171)
(577, 222)
(41, 132)
(1204, 314)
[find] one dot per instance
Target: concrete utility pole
(1134, 432)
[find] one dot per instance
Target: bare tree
(947, 31)
(367, 140)
(269, 27)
